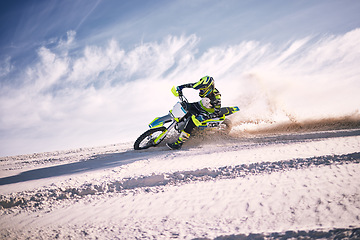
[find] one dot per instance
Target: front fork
(164, 133)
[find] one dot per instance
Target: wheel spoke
(147, 139)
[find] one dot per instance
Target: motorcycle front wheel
(146, 139)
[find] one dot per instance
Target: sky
(87, 73)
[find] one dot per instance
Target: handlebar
(179, 94)
(182, 97)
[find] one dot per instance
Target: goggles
(205, 91)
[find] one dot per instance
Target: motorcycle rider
(208, 107)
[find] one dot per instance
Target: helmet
(205, 85)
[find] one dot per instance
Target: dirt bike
(177, 119)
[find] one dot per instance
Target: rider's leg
(185, 134)
(178, 143)
(196, 110)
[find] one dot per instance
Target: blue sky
(63, 64)
(28, 25)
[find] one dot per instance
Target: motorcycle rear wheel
(225, 126)
(146, 139)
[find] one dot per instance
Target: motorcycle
(177, 119)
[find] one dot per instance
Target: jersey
(211, 103)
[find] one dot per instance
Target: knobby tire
(146, 139)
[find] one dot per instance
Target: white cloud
(5, 67)
(69, 40)
(108, 94)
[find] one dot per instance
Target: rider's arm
(188, 85)
(216, 102)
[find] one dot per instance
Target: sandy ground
(272, 186)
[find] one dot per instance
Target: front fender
(160, 121)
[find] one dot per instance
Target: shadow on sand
(106, 161)
(97, 162)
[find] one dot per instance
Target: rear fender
(228, 110)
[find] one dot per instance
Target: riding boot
(178, 144)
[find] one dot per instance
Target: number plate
(213, 124)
